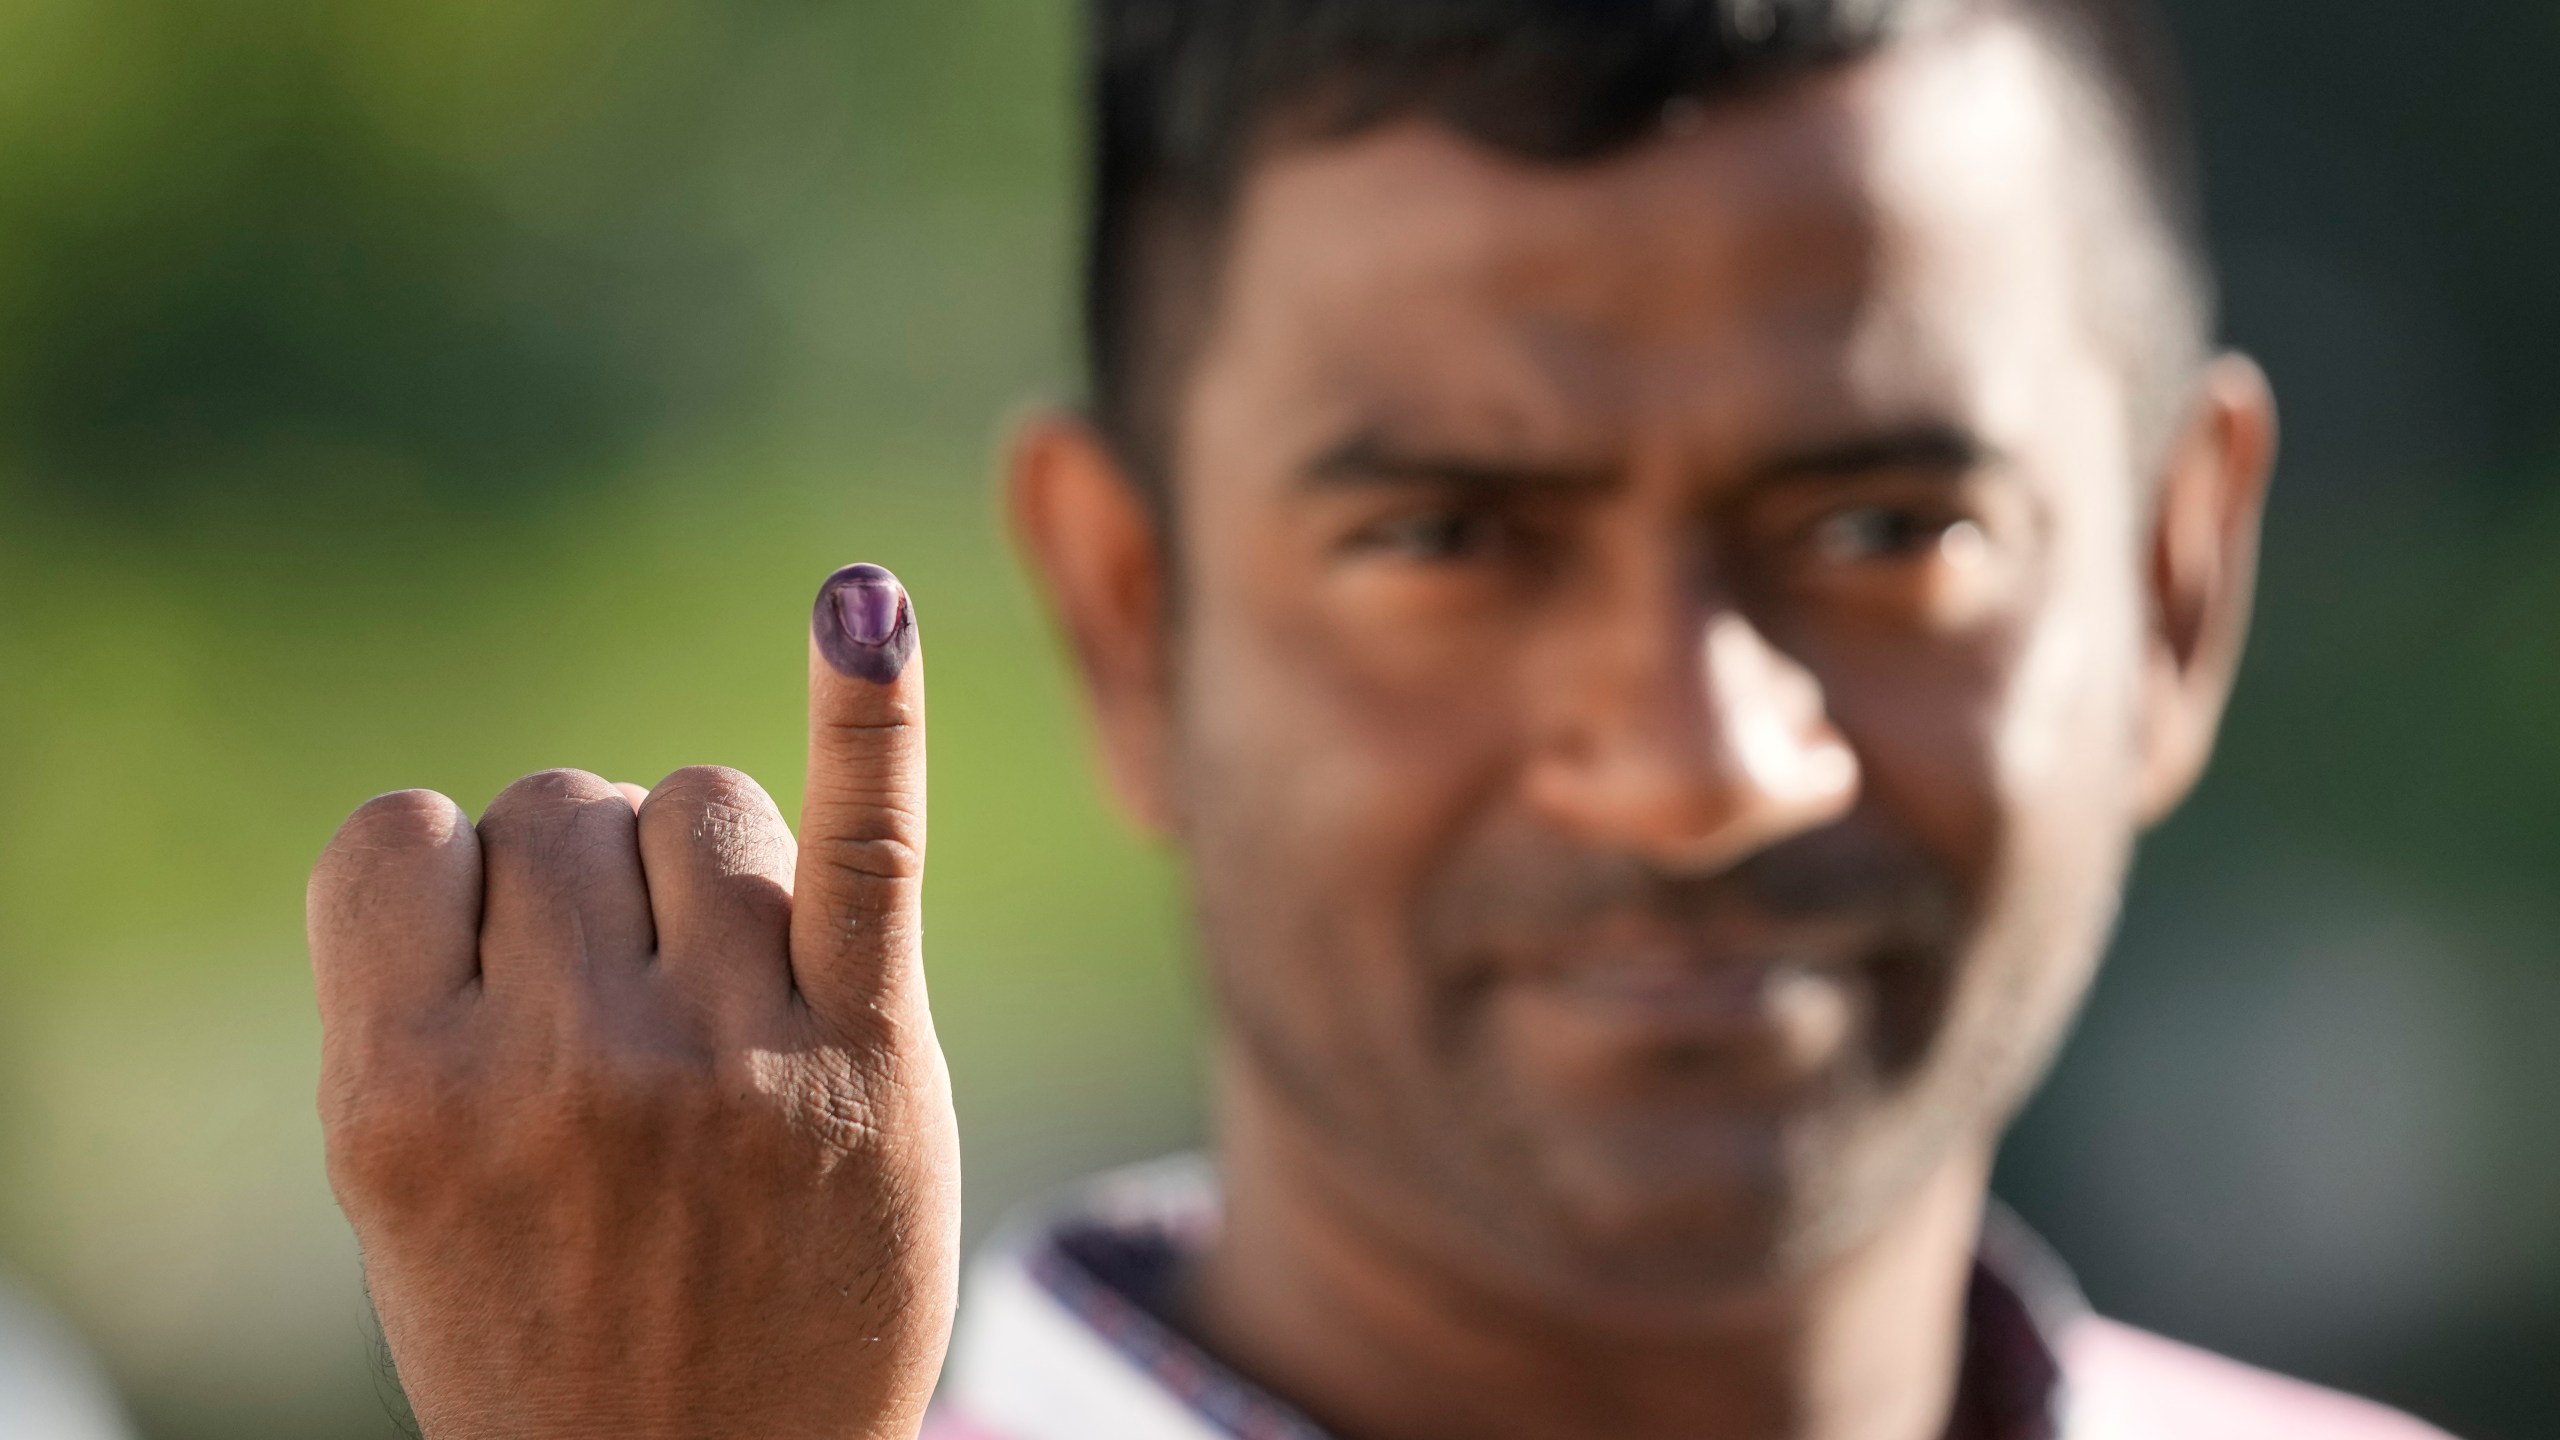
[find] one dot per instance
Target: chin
(1655, 1155)
(1664, 1215)
(1654, 1211)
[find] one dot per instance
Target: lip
(1709, 1026)
(1680, 991)
(1736, 960)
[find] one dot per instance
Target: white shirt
(1061, 1338)
(49, 1389)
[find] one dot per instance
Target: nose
(1691, 744)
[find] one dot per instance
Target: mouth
(1685, 991)
(1767, 1011)
(1737, 962)
(1772, 1014)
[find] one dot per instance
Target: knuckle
(703, 796)
(393, 841)
(883, 745)
(565, 823)
(892, 723)
(888, 856)
(548, 793)
(402, 821)
(723, 820)
(700, 785)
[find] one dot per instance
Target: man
(1654, 559)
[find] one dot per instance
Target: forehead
(1882, 236)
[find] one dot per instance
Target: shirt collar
(1061, 1337)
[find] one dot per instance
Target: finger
(855, 920)
(564, 900)
(394, 907)
(636, 794)
(718, 858)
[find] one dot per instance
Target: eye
(1437, 536)
(1894, 532)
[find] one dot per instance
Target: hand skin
(635, 1105)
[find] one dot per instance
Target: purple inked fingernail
(864, 624)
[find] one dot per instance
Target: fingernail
(864, 624)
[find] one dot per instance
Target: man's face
(1659, 660)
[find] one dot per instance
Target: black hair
(1182, 92)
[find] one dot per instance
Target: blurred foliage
(425, 394)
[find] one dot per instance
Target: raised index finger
(856, 914)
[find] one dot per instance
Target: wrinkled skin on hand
(635, 1103)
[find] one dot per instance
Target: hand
(635, 1106)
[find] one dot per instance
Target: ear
(2203, 570)
(1090, 539)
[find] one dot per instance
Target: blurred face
(1657, 701)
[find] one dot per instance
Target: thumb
(857, 899)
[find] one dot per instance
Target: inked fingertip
(864, 624)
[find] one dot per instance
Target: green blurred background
(425, 394)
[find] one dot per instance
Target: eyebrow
(1367, 459)
(1930, 446)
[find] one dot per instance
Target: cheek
(2007, 760)
(1325, 753)
(1362, 720)
(1315, 805)
(1925, 719)
(2068, 776)
(1320, 781)
(2065, 786)
(2066, 738)
(2006, 753)
(1354, 765)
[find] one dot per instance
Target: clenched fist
(635, 1105)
